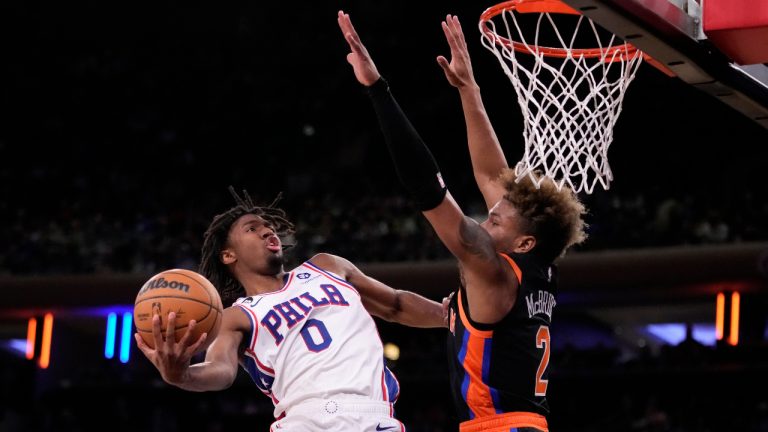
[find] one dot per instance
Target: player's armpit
(490, 298)
(490, 288)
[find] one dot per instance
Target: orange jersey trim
(462, 314)
(467, 325)
(513, 264)
(503, 422)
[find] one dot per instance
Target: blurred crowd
(120, 139)
(367, 228)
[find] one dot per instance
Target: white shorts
(345, 415)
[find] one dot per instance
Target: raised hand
(169, 357)
(459, 70)
(365, 70)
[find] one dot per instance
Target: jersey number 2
(542, 341)
(322, 331)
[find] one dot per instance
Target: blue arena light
(109, 343)
(125, 340)
(18, 346)
(670, 333)
(675, 333)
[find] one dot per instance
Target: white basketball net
(570, 104)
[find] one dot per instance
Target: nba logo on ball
(189, 294)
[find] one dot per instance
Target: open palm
(364, 68)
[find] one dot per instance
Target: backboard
(671, 32)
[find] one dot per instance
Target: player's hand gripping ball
(185, 292)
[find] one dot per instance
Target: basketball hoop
(570, 96)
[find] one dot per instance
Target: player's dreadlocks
(215, 239)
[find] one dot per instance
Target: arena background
(124, 123)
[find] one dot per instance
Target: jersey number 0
(320, 340)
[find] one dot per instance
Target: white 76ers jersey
(314, 339)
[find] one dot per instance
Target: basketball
(185, 292)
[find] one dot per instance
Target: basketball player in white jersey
(305, 336)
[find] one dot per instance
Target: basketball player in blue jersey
(499, 341)
(304, 336)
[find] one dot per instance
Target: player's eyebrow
(251, 221)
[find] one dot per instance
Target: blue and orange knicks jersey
(502, 368)
(314, 339)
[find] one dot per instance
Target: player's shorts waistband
(342, 406)
(506, 422)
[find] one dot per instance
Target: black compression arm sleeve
(414, 163)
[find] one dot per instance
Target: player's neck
(256, 284)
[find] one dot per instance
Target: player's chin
(275, 261)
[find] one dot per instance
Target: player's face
(505, 225)
(255, 245)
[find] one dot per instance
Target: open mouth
(273, 244)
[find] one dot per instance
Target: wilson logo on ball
(162, 283)
(189, 295)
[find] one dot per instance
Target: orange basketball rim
(620, 52)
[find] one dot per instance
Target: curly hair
(554, 216)
(215, 240)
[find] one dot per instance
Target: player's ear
(525, 244)
(227, 256)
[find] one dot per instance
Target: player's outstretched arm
(415, 165)
(493, 287)
(172, 359)
(383, 301)
(488, 159)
